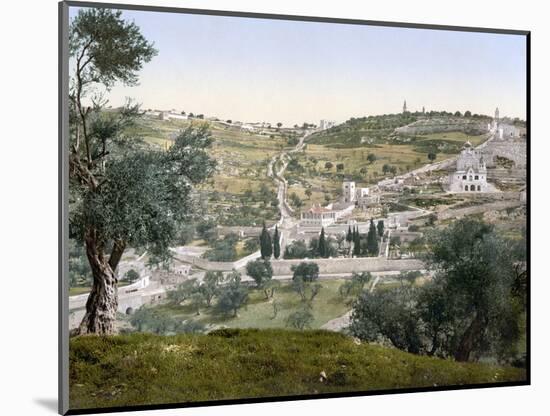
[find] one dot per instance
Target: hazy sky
(271, 70)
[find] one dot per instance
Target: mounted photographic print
(264, 207)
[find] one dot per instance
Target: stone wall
(240, 230)
(347, 265)
(205, 264)
(217, 265)
(79, 301)
(440, 125)
(478, 209)
(507, 174)
(513, 150)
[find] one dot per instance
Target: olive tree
(121, 193)
(261, 271)
(232, 296)
(472, 307)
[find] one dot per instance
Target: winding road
(287, 220)
(282, 188)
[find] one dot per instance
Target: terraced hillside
(239, 192)
(372, 148)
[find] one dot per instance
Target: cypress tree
(357, 243)
(276, 244)
(349, 236)
(268, 246)
(372, 240)
(322, 244)
(380, 228)
(266, 249)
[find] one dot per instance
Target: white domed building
(471, 173)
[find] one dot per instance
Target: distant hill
(431, 125)
(402, 127)
(141, 369)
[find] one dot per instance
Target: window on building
(479, 188)
(470, 177)
(476, 177)
(464, 177)
(472, 187)
(466, 188)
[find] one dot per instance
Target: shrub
(301, 319)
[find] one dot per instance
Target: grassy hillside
(242, 159)
(400, 141)
(396, 128)
(372, 129)
(143, 369)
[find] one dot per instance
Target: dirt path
(337, 324)
(342, 322)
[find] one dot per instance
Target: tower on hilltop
(405, 106)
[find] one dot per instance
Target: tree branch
(116, 254)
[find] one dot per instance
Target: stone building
(471, 172)
(368, 200)
(362, 197)
(508, 131)
(349, 191)
(318, 216)
(178, 274)
(171, 115)
(326, 124)
(502, 129)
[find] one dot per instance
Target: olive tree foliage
(354, 287)
(262, 273)
(210, 286)
(478, 271)
(183, 292)
(122, 193)
(472, 307)
(304, 276)
(232, 296)
(387, 315)
(147, 319)
(300, 319)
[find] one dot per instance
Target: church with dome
(471, 172)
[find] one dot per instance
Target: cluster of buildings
(360, 197)
(503, 130)
(318, 216)
(167, 115)
(326, 124)
(352, 197)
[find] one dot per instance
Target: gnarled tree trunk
(102, 303)
(469, 338)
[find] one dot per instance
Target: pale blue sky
(271, 70)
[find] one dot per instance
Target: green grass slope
(259, 312)
(142, 369)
